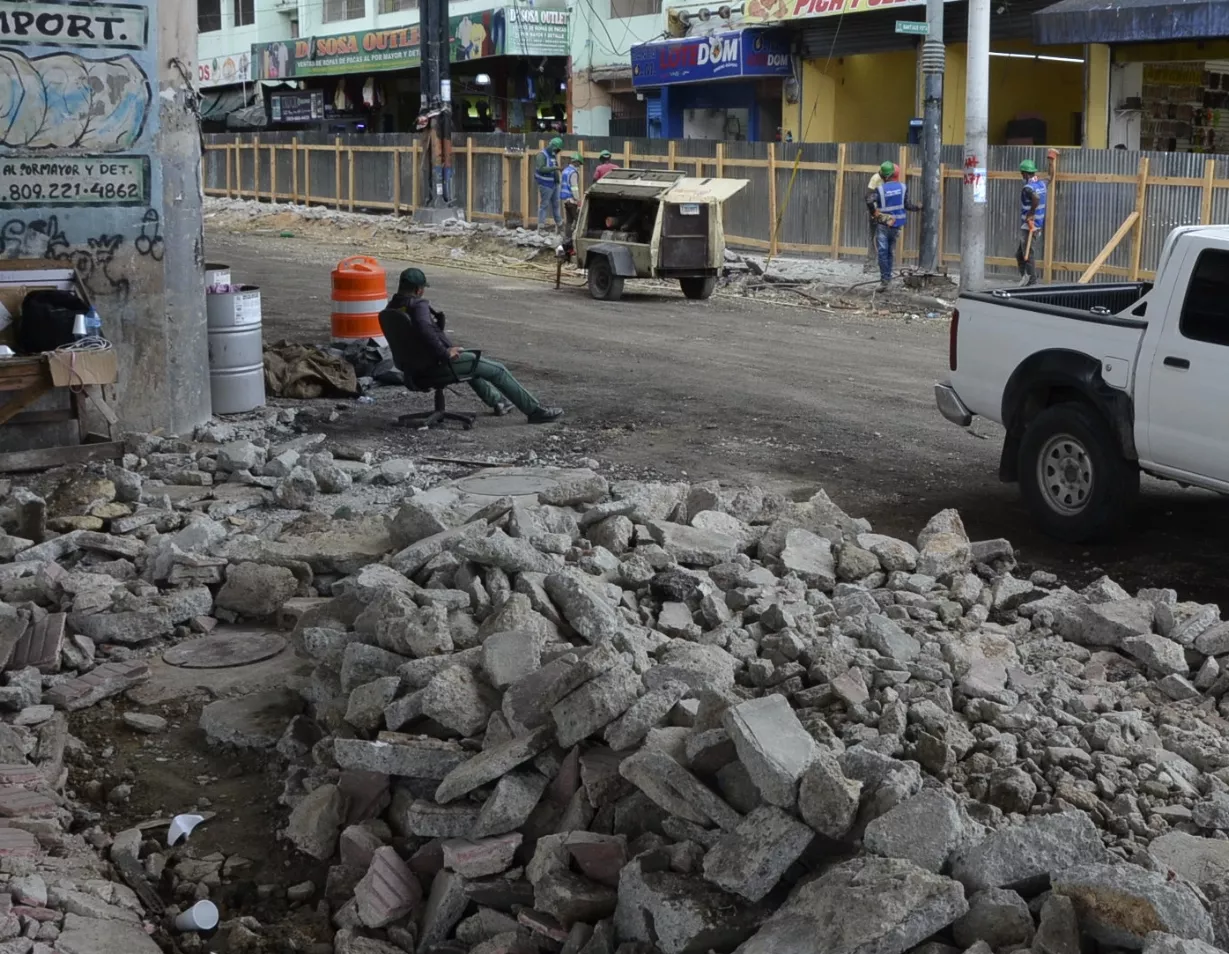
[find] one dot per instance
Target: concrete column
(100, 169)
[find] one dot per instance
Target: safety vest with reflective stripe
(892, 201)
(570, 186)
(545, 177)
(1038, 187)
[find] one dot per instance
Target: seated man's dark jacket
(430, 344)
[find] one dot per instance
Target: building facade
(352, 65)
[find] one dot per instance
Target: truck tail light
(953, 333)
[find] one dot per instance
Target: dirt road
(787, 398)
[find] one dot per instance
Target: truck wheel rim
(1064, 474)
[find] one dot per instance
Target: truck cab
(648, 223)
(1096, 384)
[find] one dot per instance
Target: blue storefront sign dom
(735, 54)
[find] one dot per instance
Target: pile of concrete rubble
(632, 717)
(670, 718)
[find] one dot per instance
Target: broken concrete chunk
(751, 859)
(773, 745)
(1119, 904)
(1023, 856)
(595, 704)
(388, 891)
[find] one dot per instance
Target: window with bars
(344, 10)
(396, 6)
(245, 12)
(209, 16)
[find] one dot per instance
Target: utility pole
(933, 61)
(435, 115)
(976, 148)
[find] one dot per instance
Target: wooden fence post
(838, 201)
(1051, 204)
(527, 167)
(720, 160)
(469, 178)
(942, 212)
(505, 188)
(256, 167)
(229, 165)
(627, 153)
(902, 160)
(350, 160)
(307, 178)
(1205, 207)
(397, 181)
(671, 154)
(294, 169)
(415, 181)
(772, 198)
(273, 174)
(337, 171)
(1141, 197)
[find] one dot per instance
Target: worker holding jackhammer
(1032, 221)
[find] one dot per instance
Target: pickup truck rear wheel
(1073, 475)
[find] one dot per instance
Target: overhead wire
(789, 189)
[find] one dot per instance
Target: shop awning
(1130, 21)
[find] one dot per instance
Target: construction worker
(1032, 221)
(606, 165)
(546, 174)
(569, 192)
(436, 362)
(887, 205)
(872, 255)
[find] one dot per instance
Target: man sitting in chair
(437, 362)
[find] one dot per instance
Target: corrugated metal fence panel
(808, 204)
(1220, 197)
(746, 214)
(1169, 206)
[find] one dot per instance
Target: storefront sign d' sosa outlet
(498, 32)
(775, 11)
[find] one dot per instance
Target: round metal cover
(226, 651)
(507, 484)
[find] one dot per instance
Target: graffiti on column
(79, 177)
(64, 101)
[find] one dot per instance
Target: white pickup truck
(1098, 383)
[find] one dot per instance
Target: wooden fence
(251, 171)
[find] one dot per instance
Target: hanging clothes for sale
(369, 93)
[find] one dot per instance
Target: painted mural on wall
(79, 178)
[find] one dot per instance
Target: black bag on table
(46, 322)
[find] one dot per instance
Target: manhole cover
(224, 652)
(506, 485)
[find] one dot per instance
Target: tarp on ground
(304, 372)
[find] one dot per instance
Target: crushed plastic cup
(202, 916)
(181, 828)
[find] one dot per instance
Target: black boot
(544, 415)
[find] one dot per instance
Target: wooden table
(27, 379)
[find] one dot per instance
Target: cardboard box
(77, 368)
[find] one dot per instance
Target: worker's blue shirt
(892, 201)
(1033, 186)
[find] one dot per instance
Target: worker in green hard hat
(547, 174)
(1032, 221)
(887, 205)
(872, 189)
(569, 192)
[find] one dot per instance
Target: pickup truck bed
(1087, 299)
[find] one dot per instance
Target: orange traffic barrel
(359, 295)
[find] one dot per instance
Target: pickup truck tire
(604, 284)
(698, 288)
(1073, 476)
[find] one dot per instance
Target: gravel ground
(749, 392)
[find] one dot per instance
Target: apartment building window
(396, 6)
(344, 10)
(622, 9)
(209, 16)
(245, 12)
